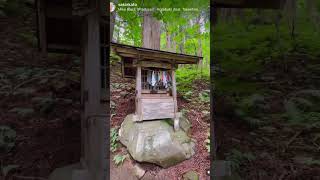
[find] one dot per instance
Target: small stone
(138, 171)
(123, 93)
(206, 115)
(112, 104)
(191, 175)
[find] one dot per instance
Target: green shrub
(186, 76)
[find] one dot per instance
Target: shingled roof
(154, 55)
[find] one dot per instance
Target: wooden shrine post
(138, 91)
(174, 95)
(94, 116)
(62, 28)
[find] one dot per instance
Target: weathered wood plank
(157, 108)
(159, 92)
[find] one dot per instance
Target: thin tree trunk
(313, 13)
(168, 42)
(293, 22)
(181, 45)
(290, 10)
(199, 50)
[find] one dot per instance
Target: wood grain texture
(157, 108)
(174, 92)
(138, 92)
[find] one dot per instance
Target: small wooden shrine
(154, 70)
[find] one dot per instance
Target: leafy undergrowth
(40, 101)
(267, 96)
(268, 124)
(188, 76)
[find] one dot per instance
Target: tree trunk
(181, 45)
(174, 44)
(313, 13)
(150, 31)
(112, 23)
(291, 8)
(293, 22)
(199, 50)
(168, 42)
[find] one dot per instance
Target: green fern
(254, 122)
(250, 109)
(252, 101)
(21, 111)
(7, 139)
(311, 92)
(205, 96)
(113, 139)
(187, 95)
(302, 106)
(293, 113)
(119, 159)
(305, 103)
(237, 159)
(5, 170)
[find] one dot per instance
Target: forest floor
(281, 150)
(123, 103)
(40, 101)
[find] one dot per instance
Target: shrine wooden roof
(153, 55)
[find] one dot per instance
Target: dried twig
(291, 140)
(32, 79)
(282, 175)
(316, 145)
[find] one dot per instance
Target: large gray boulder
(155, 142)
